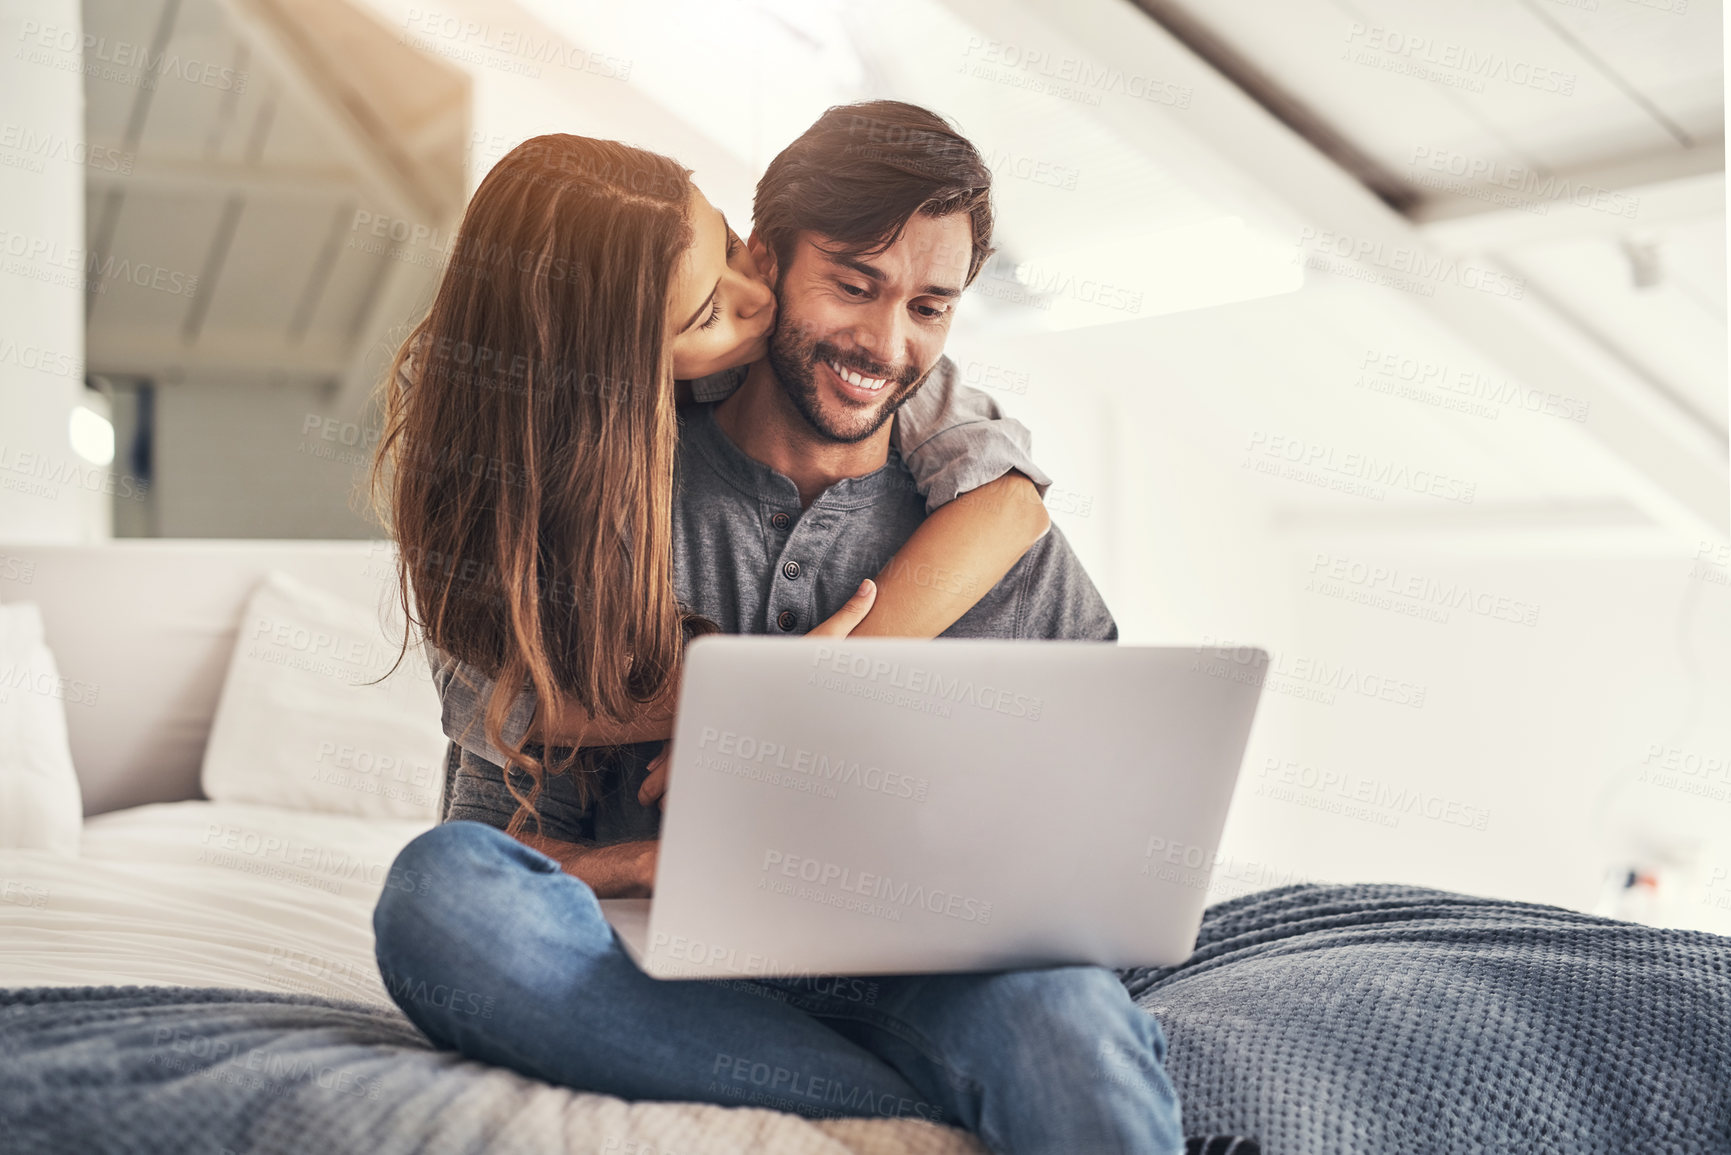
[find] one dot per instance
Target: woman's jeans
(494, 951)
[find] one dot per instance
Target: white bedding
(200, 894)
(240, 895)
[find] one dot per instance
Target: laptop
(886, 806)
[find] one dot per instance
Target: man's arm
(954, 438)
(983, 497)
(478, 793)
(566, 723)
(1059, 600)
(960, 551)
(1046, 596)
(620, 870)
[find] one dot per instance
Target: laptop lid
(875, 806)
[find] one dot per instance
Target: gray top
(746, 556)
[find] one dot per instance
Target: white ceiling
(1194, 205)
(1542, 83)
(245, 189)
(1620, 99)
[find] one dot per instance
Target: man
(870, 227)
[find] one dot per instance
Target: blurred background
(1388, 335)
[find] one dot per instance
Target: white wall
(1521, 758)
(1595, 737)
(297, 469)
(47, 492)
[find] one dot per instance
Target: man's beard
(795, 356)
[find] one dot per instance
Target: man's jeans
(494, 951)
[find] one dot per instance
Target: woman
(567, 238)
(538, 556)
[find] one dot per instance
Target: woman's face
(720, 310)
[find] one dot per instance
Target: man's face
(858, 335)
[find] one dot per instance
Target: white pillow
(299, 726)
(41, 807)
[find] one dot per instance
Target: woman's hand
(654, 788)
(838, 625)
(841, 623)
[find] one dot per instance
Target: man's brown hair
(859, 174)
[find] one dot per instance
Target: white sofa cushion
(306, 722)
(41, 807)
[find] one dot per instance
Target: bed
(198, 976)
(203, 973)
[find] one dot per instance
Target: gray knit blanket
(1317, 1019)
(1374, 1018)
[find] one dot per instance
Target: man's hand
(838, 625)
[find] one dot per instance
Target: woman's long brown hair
(525, 465)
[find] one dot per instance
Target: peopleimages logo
(1448, 62)
(1367, 799)
(749, 756)
(1460, 388)
(294, 644)
(878, 888)
(1532, 189)
(787, 1089)
(41, 359)
(1359, 257)
(1314, 679)
(120, 61)
(1360, 474)
(913, 679)
(1415, 595)
(227, 844)
(31, 148)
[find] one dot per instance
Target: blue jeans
(493, 951)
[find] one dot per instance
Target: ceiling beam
(181, 174)
(154, 352)
(1610, 200)
(1178, 20)
(1672, 466)
(385, 169)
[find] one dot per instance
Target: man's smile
(856, 383)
